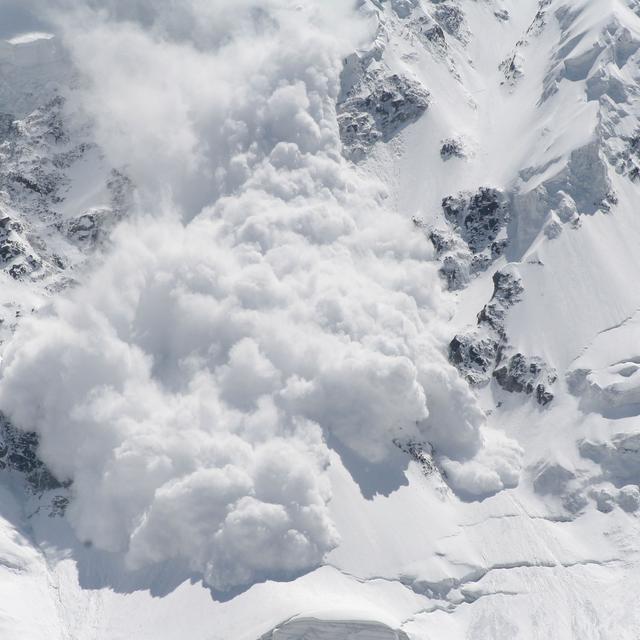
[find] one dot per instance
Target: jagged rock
(473, 356)
(477, 353)
(451, 18)
(436, 35)
(441, 241)
(85, 229)
(377, 109)
(543, 395)
(457, 262)
(420, 452)
(452, 148)
(512, 65)
(501, 14)
(526, 375)
(478, 218)
(58, 506)
(627, 161)
(35, 156)
(430, 33)
(17, 255)
(39, 151)
(512, 68)
(18, 452)
(91, 228)
(518, 375)
(507, 290)
(539, 20)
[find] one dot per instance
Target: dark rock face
(481, 354)
(377, 109)
(420, 452)
(430, 33)
(506, 292)
(478, 218)
(452, 148)
(634, 152)
(627, 161)
(85, 229)
(472, 244)
(511, 69)
(451, 18)
(511, 66)
(507, 289)
(18, 452)
(441, 242)
(543, 395)
(526, 375)
(476, 353)
(435, 35)
(17, 255)
(474, 356)
(37, 154)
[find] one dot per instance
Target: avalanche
(323, 319)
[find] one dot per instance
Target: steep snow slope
(379, 379)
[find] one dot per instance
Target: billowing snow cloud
(268, 298)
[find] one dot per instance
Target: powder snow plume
(265, 301)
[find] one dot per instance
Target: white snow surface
(234, 381)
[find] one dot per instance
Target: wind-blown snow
(268, 302)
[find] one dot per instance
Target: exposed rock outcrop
(520, 374)
(482, 353)
(476, 353)
(376, 109)
(478, 217)
(451, 18)
(19, 452)
(452, 148)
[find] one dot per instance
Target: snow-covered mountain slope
(319, 320)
